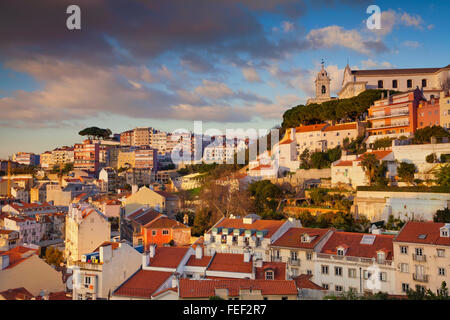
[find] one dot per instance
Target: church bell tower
(322, 84)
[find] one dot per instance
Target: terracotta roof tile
(164, 222)
(206, 288)
(343, 126)
(230, 262)
(203, 262)
(413, 229)
(270, 225)
(303, 281)
(292, 238)
(168, 257)
(380, 154)
(18, 255)
(355, 249)
(279, 269)
(16, 294)
(142, 284)
(310, 128)
(344, 163)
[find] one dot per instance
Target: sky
(168, 63)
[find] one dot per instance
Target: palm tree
(369, 162)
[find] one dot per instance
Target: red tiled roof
(377, 72)
(313, 127)
(165, 290)
(230, 262)
(164, 222)
(262, 167)
(206, 288)
(18, 255)
(144, 215)
(16, 294)
(344, 163)
(292, 238)
(413, 229)
(303, 281)
(380, 154)
(344, 126)
(270, 225)
(25, 206)
(355, 248)
(279, 269)
(168, 257)
(203, 262)
(142, 284)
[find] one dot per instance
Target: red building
(87, 156)
(428, 113)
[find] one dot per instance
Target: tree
(266, 195)
(319, 160)
(304, 159)
(442, 175)
(431, 158)
(442, 216)
(53, 256)
(382, 143)
(394, 223)
(369, 162)
(95, 132)
(406, 172)
(426, 294)
(424, 135)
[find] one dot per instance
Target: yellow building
(422, 256)
(145, 197)
(126, 159)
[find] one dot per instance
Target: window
(165, 232)
(405, 287)
(404, 250)
(340, 252)
(352, 273)
(424, 83)
(418, 251)
(154, 233)
(325, 286)
(367, 274)
(324, 90)
(404, 267)
(383, 276)
(87, 280)
(441, 253)
(338, 271)
(284, 298)
(380, 84)
(324, 269)
(409, 83)
(294, 272)
(309, 272)
(394, 84)
(339, 288)
(269, 275)
(294, 255)
(441, 271)
(308, 256)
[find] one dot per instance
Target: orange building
(163, 230)
(428, 113)
(396, 114)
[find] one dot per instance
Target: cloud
(213, 89)
(391, 18)
(336, 36)
(250, 74)
(411, 44)
(412, 21)
(288, 26)
(371, 64)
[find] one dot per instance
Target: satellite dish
(69, 283)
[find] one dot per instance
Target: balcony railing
(353, 259)
(294, 262)
(277, 259)
(420, 277)
(392, 125)
(88, 265)
(419, 258)
(397, 114)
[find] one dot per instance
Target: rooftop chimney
(198, 252)
(152, 250)
(247, 256)
(145, 259)
(4, 261)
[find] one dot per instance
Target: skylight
(368, 239)
(422, 236)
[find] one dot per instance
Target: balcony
(392, 125)
(396, 114)
(420, 277)
(277, 259)
(419, 258)
(294, 262)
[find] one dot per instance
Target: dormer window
(340, 252)
(305, 238)
(445, 232)
(269, 275)
(381, 256)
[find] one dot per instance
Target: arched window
(394, 84)
(380, 84)
(409, 83)
(424, 83)
(324, 90)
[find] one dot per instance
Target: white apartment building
(30, 230)
(98, 273)
(359, 262)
